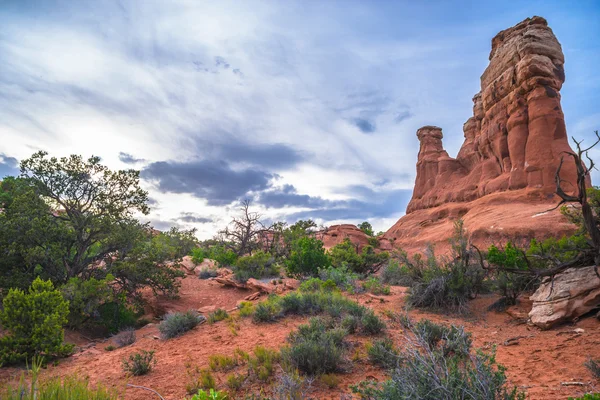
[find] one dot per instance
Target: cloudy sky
(308, 108)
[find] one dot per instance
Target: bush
(510, 285)
(448, 284)
(587, 396)
(330, 380)
(371, 323)
(33, 322)
(207, 273)
(345, 255)
(246, 309)
(315, 348)
(594, 367)
(372, 285)
(125, 337)
(306, 258)
(211, 395)
(68, 388)
(431, 372)
(261, 364)
(235, 382)
(222, 363)
(139, 363)
(258, 265)
(198, 255)
(341, 276)
(177, 323)
(383, 353)
(218, 315)
(290, 386)
(312, 303)
(396, 275)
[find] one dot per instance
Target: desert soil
(546, 364)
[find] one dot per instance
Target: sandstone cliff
(502, 179)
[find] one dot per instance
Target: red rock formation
(336, 234)
(513, 144)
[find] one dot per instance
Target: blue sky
(309, 108)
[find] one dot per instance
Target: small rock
(578, 330)
(206, 309)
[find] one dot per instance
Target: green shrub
(246, 309)
(222, 363)
(33, 322)
(177, 323)
(371, 324)
(315, 348)
(218, 315)
(68, 388)
(510, 285)
(261, 365)
(223, 256)
(587, 396)
(331, 303)
(258, 265)
(306, 258)
(432, 373)
(366, 228)
(211, 395)
(372, 285)
(235, 382)
(345, 255)
(341, 276)
(396, 275)
(330, 380)
(266, 311)
(383, 353)
(448, 284)
(139, 363)
(198, 255)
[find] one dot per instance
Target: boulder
(571, 294)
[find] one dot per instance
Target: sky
(308, 108)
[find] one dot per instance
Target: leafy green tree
(90, 200)
(33, 322)
(258, 265)
(366, 228)
(307, 257)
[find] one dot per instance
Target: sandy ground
(539, 362)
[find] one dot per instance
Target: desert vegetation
(96, 267)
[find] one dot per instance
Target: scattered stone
(253, 296)
(207, 309)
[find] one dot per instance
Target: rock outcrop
(570, 295)
(516, 136)
(336, 234)
(504, 173)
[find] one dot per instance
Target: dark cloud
(152, 201)
(192, 217)
(220, 62)
(402, 115)
(215, 181)
(8, 166)
(372, 203)
(129, 159)
(287, 196)
(268, 156)
(364, 125)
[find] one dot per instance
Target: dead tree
(243, 233)
(586, 256)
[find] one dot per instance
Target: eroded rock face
(517, 133)
(573, 293)
(502, 181)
